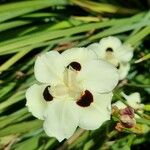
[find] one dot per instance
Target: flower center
(69, 89)
(110, 57)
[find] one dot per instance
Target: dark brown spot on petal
(47, 96)
(118, 66)
(86, 99)
(75, 65)
(109, 49)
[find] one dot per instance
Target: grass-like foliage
(31, 27)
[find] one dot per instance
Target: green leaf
(30, 144)
(12, 24)
(9, 119)
(103, 7)
(22, 127)
(9, 11)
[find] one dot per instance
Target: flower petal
(119, 104)
(61, 119)
(98, 76)
(35, 101)
(97, 113)
(134, 100)
(123, 70)
(98, 49)
(49, 68)
(124, 53)
(79, 55)
(104, 44)
(95, 47)
(110, 42)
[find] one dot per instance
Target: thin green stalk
(49, 35)
(13, 99)
(39, 15)
(12, 10)
(14, 59)
(72, 139)
(6, 89)
(29, 144)
(146, 17)
(22, 127)
(138, 85)
(139, 36)
(13, 24)
(119, 29)
(147, 107)
(103, 7)
(13, 117)
(146, 57)
(143, 121)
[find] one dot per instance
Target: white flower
(75, 90)
(133, 100)
(112, 50)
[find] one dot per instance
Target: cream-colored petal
(35, 101)
(124, 53)
(96, 47)
(134, 100)
(49, 68)
(110, 42)
(121, 53)
(105, 43)
(97, 113)
(61, 119)
(119, 104)
(98, 76)
(80, 55)
(123, 70)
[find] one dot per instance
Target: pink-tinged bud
(129, 111)
(127, 121)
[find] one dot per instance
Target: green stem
(146, 57)
(139, 36)
(138, 85)
(143, 121)
(147, 107)
(72, 139)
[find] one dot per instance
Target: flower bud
(127, 121)
(129, 111)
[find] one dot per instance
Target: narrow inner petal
(110, 57)
(86, 99)
(46, 94)
(75, 65)
(59, 90)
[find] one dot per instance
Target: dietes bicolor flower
(112, 50)
(75, 89)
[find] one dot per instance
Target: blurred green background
(30, 27)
